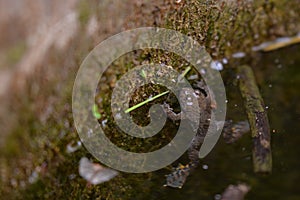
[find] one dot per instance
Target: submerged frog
(206, 102)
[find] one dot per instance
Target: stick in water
(258, 119)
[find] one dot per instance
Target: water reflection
(278, 75)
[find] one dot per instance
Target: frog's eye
(196, 93)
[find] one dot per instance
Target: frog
(206, 102)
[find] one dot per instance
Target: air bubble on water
(205, 167)
(238, 77)
(267, 107)
(225, 61)
(226, 101)
(270, 85)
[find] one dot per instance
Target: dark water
(278, 75)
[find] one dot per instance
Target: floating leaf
(177, 178)
(95, 173)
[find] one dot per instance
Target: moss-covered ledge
(227, 27)
(223, 27)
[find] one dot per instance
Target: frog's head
(206, 96)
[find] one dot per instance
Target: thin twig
(258, 119)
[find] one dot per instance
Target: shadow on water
(278, 76)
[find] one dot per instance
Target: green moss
(15, 53)
(237, 26)
(85, 11)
